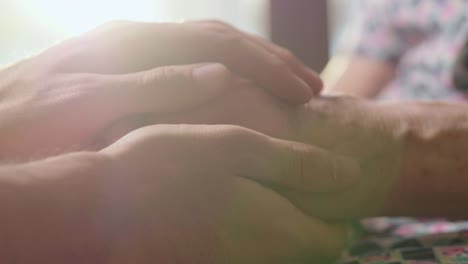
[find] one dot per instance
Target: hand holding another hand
(361, 130)
(179, 194)
(60, 100)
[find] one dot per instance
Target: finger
(259, 157)
(303, 167)
(260, 61)
(227, 46)
(254, 62)
(249, 154)
(167, 89)
(314, 240)
(299, 68)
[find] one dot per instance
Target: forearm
(42, 202)
(421, 147)
(434, 166)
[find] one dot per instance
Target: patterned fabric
(404, 227)
(422, 37)
(447, 248)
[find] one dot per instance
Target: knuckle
(163, 75)
(65, 89)
(233, 46)
(236, 132)
(240, 136)
(160, 74)
(234, 41)
(286, 54)
(221, 70)
(279, 64)
(223, 77)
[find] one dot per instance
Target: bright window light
(73, 17)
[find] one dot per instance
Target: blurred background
(312, 29)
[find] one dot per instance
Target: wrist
(431, 180)
(404, 128)
(50, 199)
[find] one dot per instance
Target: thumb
(169, 89)
(270, 161)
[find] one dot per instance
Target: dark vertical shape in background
(302, 27)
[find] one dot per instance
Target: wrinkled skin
(356, 128)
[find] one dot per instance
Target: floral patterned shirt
(422, 38)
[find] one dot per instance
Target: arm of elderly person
(411, 155)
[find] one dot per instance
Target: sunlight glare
(74, 17)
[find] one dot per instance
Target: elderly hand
(362, 130)
(180, 194)
(366, 131)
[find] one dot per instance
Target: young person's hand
(172, 194)
(47, 113)
(61, 99)
(123, 47)
(246, 105)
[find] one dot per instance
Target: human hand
(123, 47)
(199, 165)
(49, 106)
(403, 151)
(246, 105)
(46, 113)
(184, 194)
(362, 130)
(370, 134)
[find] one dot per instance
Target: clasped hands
(238, 161)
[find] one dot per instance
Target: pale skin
(52, 105)
(79, 87)
(262, 188)
(152, 197)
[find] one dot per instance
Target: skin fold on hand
(324, 122)
(397, 147)
(58, 100)
(166, 194)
